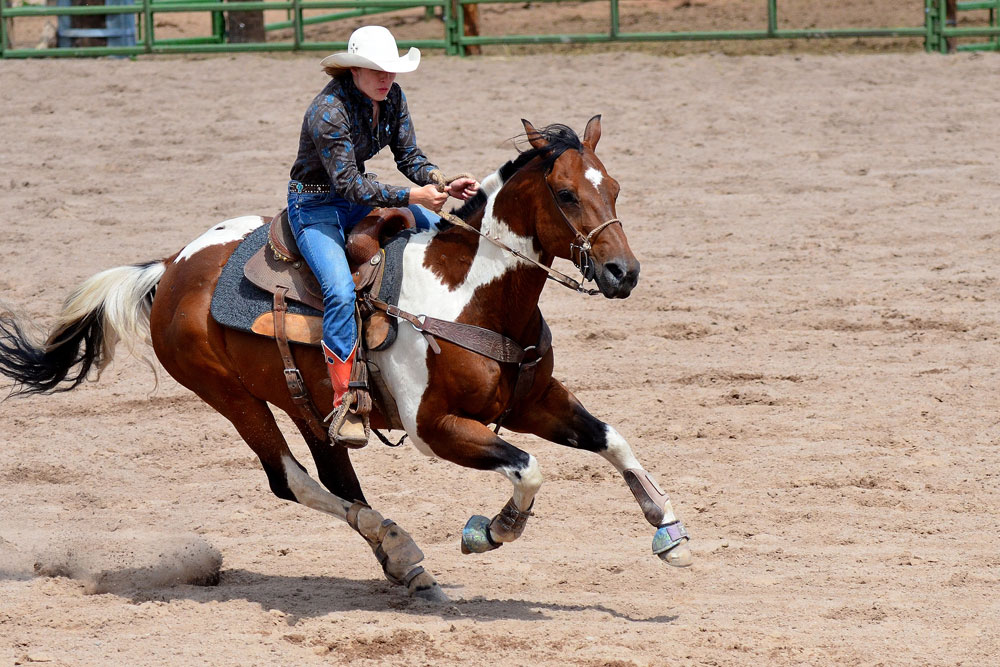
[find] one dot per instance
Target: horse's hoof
(668, 544)
(679, 556)
(476, 536)
(424, 587)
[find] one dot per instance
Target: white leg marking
(308, 492)
(526, 482)
(222, 233)
(619, 453)
(594, 176)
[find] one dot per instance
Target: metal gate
(937, 34)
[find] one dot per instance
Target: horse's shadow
(310, 597)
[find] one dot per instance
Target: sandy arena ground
(808, 365)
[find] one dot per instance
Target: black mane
(558, 138)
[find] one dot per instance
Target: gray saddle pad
(237, 303)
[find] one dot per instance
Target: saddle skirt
(269, 260)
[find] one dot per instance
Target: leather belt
(294, 187)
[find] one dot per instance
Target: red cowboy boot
(346, 428)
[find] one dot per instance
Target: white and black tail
(111, 306)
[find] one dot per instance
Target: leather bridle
(580, 246)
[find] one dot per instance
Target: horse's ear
(534, 136)
(593, 132)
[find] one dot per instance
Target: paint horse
(487, 268)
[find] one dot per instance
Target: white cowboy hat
(374, 47)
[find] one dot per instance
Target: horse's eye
(567, 197)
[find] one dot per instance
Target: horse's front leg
(558, 416)
(473, 445)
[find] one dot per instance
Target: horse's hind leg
(558, 416)
(395, 550)
(333, 465)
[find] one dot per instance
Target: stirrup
(347, 428)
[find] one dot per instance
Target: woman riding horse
(483, 271)
(359, 112)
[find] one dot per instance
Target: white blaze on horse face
(404, 364)
(220, 234)
(595, 177)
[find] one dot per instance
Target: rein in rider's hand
(434, 196)
(463, 188)
(428, 196)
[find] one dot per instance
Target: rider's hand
(463, 188)
(429, 197)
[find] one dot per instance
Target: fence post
(932, 28)
(147, 17)
(3, 28)
(470, 18)
(452, 47)
(940, 23)
(466, 17)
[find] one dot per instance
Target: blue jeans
(321, 223)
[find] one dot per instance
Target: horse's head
(582, 224)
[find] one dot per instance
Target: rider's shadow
(310, 597)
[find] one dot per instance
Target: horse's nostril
(616, 271)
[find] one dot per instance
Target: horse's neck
(482, 280)
(477, 281)
(505, 219)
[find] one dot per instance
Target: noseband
(581, 244)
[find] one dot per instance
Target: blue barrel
(119, 30)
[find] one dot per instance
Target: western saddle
(279, 269)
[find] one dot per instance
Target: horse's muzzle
(616, 278)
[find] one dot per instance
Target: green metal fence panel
(942, 36)
(78, 10)
(993, 7)
(326, 18)
(217, 34)
(614, 34)
(453, 41)
(930, 26)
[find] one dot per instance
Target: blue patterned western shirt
(337, 137)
